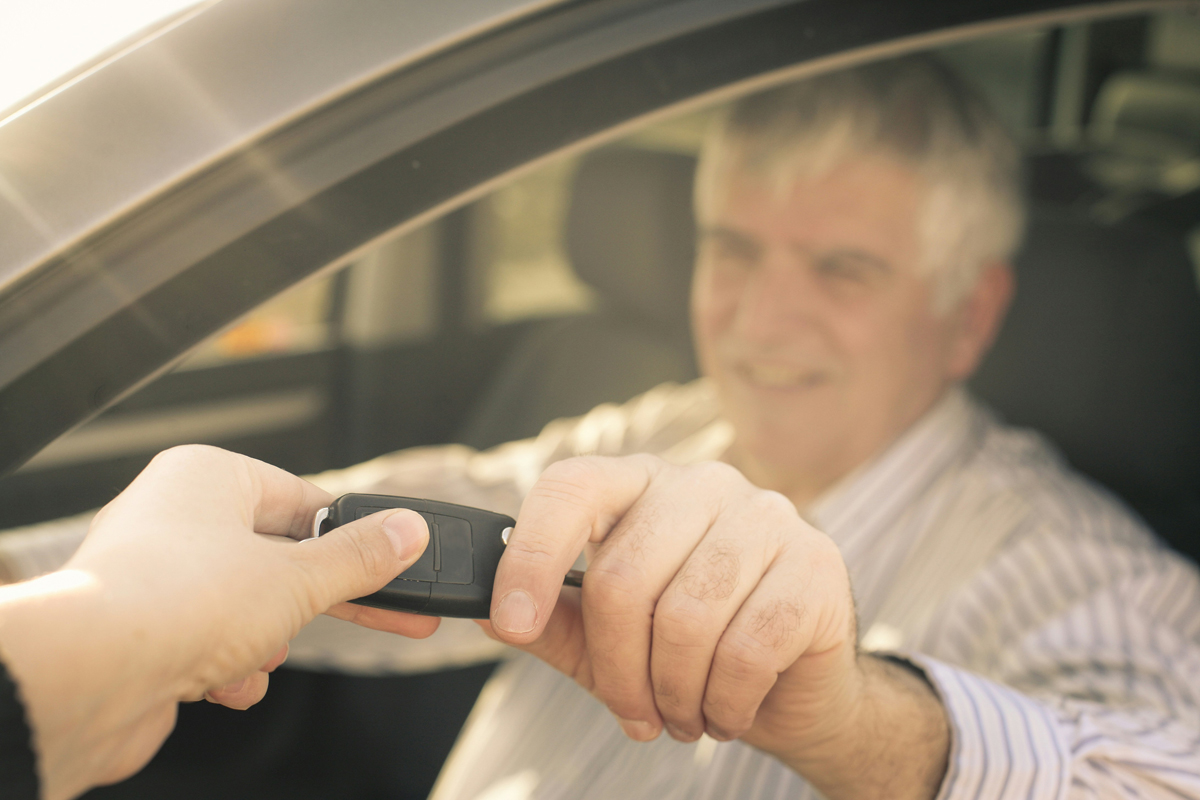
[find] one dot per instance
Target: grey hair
(913, 109)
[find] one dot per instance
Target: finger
(275, 660)
(358, 558)
(198, 481)
(626, 578)
(283, 503)
(414, 626)
(573, 502)
(703, 597)
(791, 613)
(561, 644)
(241, 694)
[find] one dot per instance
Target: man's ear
(978, 318)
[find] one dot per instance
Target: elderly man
(852, 271)
(1012, 630)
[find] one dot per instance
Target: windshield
(45, 44)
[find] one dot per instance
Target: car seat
(630, 237)
(1101, 352)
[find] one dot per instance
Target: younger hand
(190, 584)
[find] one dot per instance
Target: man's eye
(731, 254)
(847, 268)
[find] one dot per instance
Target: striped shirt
(1063, 640)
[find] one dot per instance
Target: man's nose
(778, 302)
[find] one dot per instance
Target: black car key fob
(453, 577)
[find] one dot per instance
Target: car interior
(567, 287)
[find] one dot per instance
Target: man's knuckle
(729, 716)
(741, 656)
(714, 474)
(713, 575)
(777, 624)
(649, 462)
(570, 479)
(773, 505)
(684, 623)
(532, 549)
(668, 694)
(613, 586)
(184, 455)
(622, 707)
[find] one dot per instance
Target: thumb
(361, 556)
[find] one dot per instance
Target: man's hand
(709, 605)
(189, 585)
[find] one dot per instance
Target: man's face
(813, 320)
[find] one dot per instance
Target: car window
(296, 321)
(1009, 71)
(392, 291)
(520, 268)
(504, 263)
(387, 295)
(518, 253)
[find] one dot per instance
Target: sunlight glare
(41, 40)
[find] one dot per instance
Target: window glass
(1007, 70)
(48, 41)
(521, 266)
(1175, 41)
(392, 291)
(390, 296)
(520, 262)
(295, 321)
(683, 134)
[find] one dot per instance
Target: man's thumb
(361, 556)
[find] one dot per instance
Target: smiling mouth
(773, 376)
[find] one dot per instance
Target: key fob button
(454, 576)
(457, 555)
(423, 568)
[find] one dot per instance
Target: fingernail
(234, 688)
(679, 734)
(516, 613)
(406, 530)
(637, 730)
(718, 734)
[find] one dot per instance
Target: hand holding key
(453, 577)
(708, 606)
(189, 584)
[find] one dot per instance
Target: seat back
(1101, 352)
(630, 236)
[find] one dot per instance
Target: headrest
(630, 233)
(1101, 351)
(1147, 128)
(1162, 110)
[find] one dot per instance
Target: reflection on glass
(43, 41)
(295, 321)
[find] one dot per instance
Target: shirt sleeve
(1097, 700)
(18, 766)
